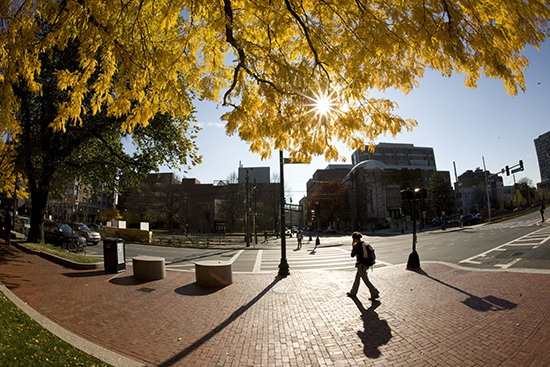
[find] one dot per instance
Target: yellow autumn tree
(10, 181)
(270, 61)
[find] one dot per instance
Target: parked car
(92, 237)
(62, 235)
(470, 219)
(22, 225)
(94, 227)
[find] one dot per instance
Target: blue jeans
(362, 274)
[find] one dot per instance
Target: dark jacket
(7, 222)
(357, 252)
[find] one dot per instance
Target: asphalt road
(515, 243)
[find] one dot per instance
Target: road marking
(506, 266)
(232, 260)
(258, 262)
(500, 248)
(470, 262)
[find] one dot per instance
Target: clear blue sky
(461, 124)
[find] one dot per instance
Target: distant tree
(527, 190)
(440, 197)
(232, 204)
(333, 202)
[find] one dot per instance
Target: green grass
(79, 258)
(23, 342)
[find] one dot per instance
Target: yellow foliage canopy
(266, 59)
(9, 179)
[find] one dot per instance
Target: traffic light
(407, 195)
(421, 193)
(521, 165)
(507, 171)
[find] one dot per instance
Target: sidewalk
(442, 315)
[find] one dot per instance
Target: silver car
(22, 225)
(92, 237)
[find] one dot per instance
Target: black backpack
(369, 257)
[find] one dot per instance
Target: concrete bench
(148, 268)
(214, 273)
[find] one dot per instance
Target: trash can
(114, 254)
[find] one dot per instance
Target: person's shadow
(377, 332)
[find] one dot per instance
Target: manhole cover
(146, 290)
(285, 290)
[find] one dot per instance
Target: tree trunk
(39, 199)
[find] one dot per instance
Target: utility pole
(487, 189)
(456, 189)
(246, 214)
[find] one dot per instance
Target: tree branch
(308, 38)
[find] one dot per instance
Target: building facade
(255, 174)
(331, 172)
(542, 146)
(472, 193)
(80, 203)
(397, 155)
(375, 192)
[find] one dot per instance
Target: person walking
(7, 228)
(363, 264)
(300, 237)
(542, 207)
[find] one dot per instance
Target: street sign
(296, 160)
(515, 170)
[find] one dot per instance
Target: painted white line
(470, 262)
(498, 248)
(506, 266)
(258, 262)
(232, 260)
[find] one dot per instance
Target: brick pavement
(440, 316)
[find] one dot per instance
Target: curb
(76, 341)
(61, 261)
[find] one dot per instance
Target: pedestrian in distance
(300, 237)
(364, 253)
(7, 228)
(542, 207)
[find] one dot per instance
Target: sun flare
(323, 105)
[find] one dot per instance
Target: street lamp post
(413, 196)
(283, 266)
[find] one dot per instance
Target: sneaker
(351, 295)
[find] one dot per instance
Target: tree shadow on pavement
(234, 316)
(488, 303)
(128, 281)
(193, 289)
(377, 332)
(85, 274)
(11, 256)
